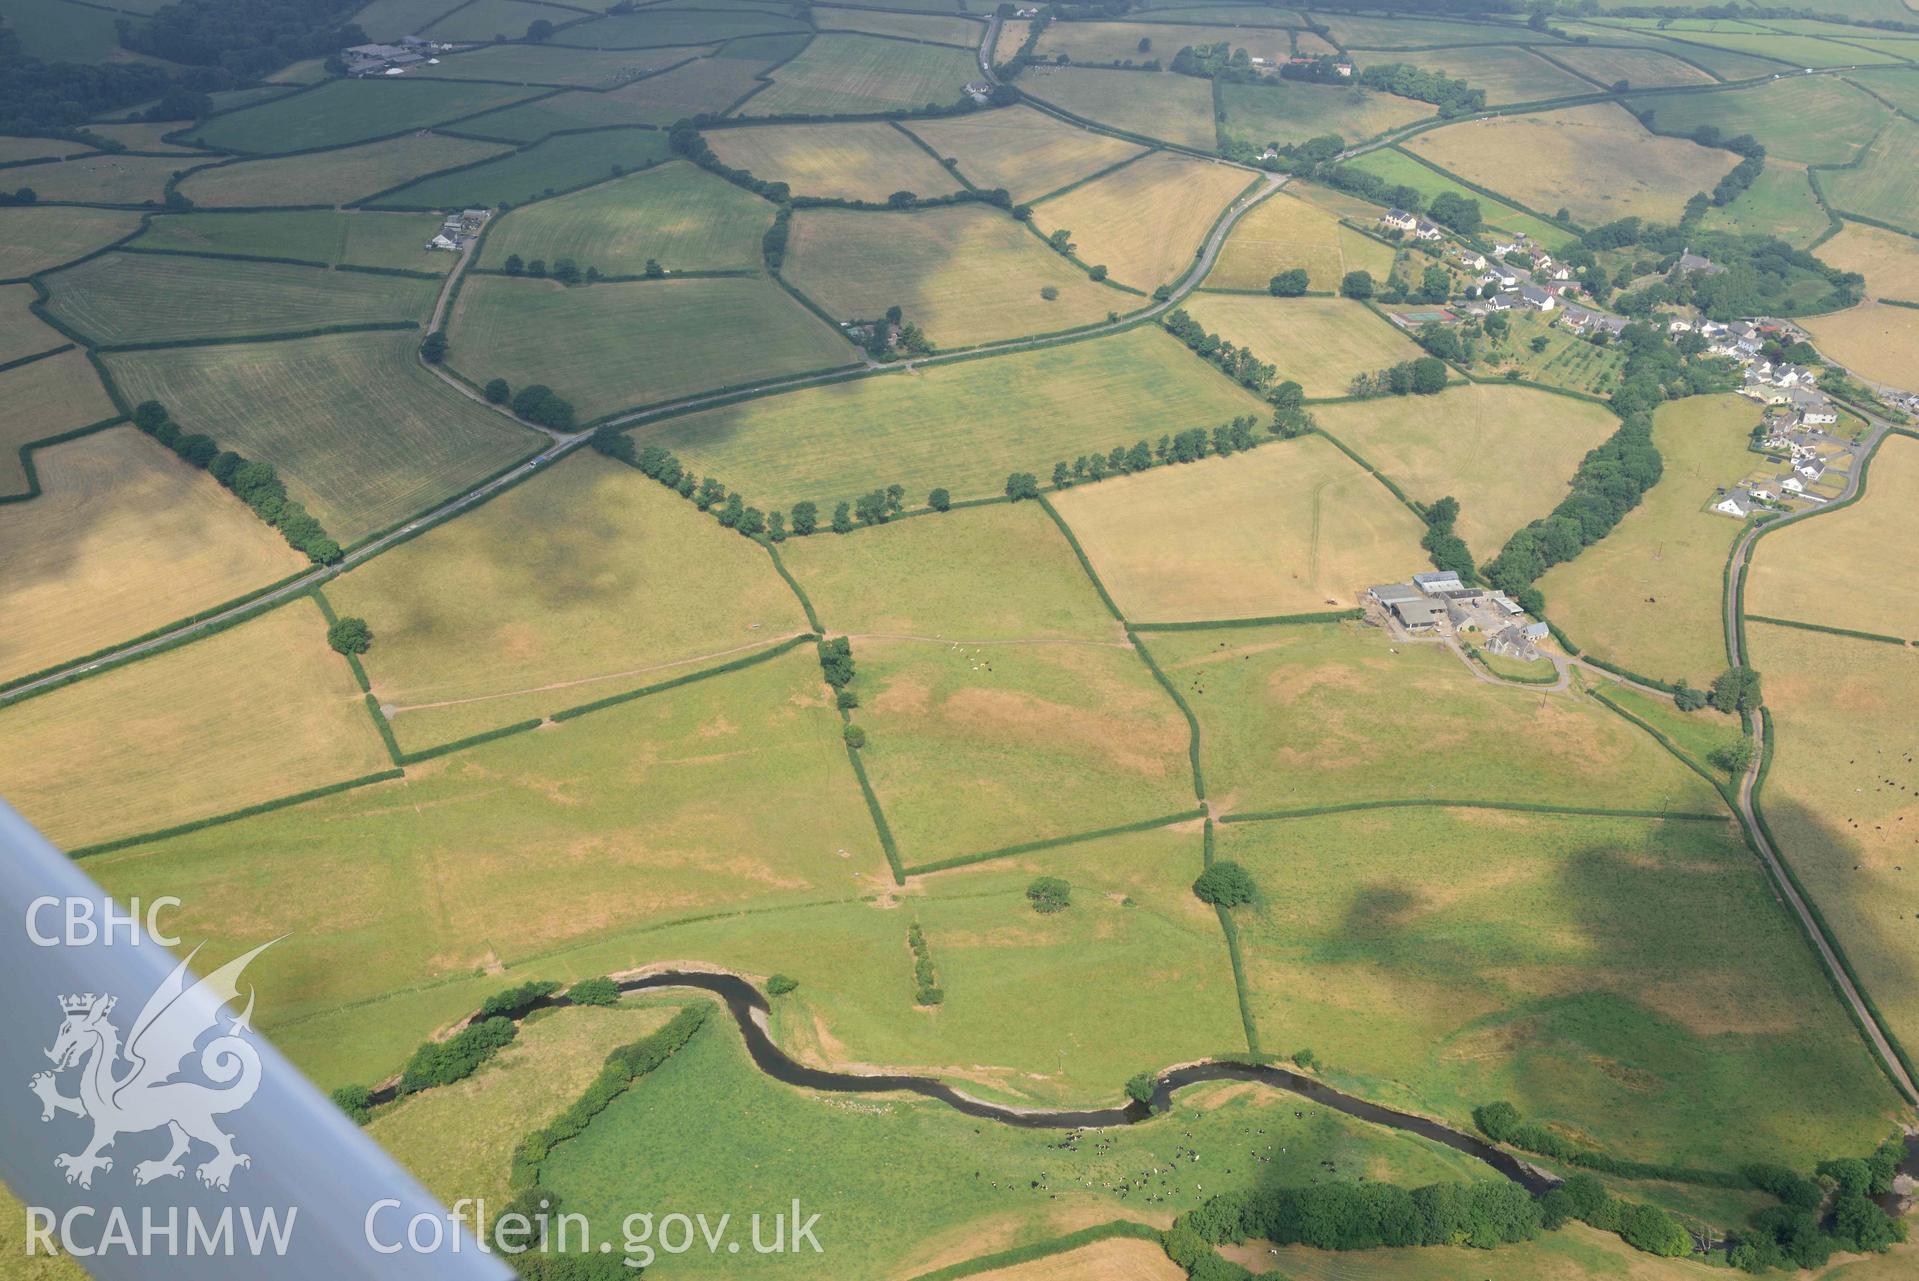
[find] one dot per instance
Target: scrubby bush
(1049, 894)
(1225, 884)
(456, 1058)
(515, 1001)
(855, 736)
(354, 1100)
(600, 991)
(780, 985)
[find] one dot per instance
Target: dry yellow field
(34, 239)
(1285, 232)
(1320, 342)
(552, 595)
(965, 274)
(1145, 222)
(1505, 453)
(125, 538)
(1169, 107)
(1648, 595)
(1849, 568)
(1120, 1259)
(1875, 341)
(1011, 36)
(1027, 152)
(1598, 162)
(261, 710)
(1293, 527)
(855, 162)
(21, 332)
(1842, 798)
(43, 399)
(1888, 260)
(332, 177)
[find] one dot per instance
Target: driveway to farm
(1788, 888)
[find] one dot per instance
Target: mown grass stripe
(1054, 842)
(1524, 807)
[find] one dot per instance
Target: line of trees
(538, 403)
(1338, 1215)
(1237, 363)
(1609, 483)
(257, 484)
(457, 1057)
(927, 990)
(1424, 376)
(1441, 541)
(1452, 97)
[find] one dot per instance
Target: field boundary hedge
(285, 335)
(1830, 631)
(1271, 620)
(31, 447)
(1523, 807)
(659, 687)
(1054, 842)
(1117, 1229)
(881, 827)
(250, 811)
(1722, 786)
(806, 602)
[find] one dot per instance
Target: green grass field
(615, 346)
(677, 25)
(1811, 119)
(1885, 186)
(105, 179)
(848, 75)
(496, 19)
(1567, 360)
(707, 85)
(131, 298)
(946, 425)
(80, 763)
(1096, 42)
(1290, 112)
(1401, 31)
(35, 239)
(977, 746)
(332, 177)
(1537, 437)
(680, 215)
(942, 30)
(724, 1130)
(1167, 107)
(696, 803)
(944, 578)
(964, 274)
(1779, 204)
(348, 111)
(550, 596)
(1397, 167)
(1284, 232)
(557, 164)
(1900, 86)
(329, 236)
(61, 32)
(852, 162)
(1840, 800)
(361, 433)
(1832, 569)
(1698, 734)
(1651, 177)
(554, 65)
(1023, 150)
(1556, 962)
(123, 539)
(1294, 527)
(390, 19)
(1295, 716)
(1648, 595)
(1146, 222)
(1319, 342)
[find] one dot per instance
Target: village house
(1733, 504)
(1820, 417)
(1690, 262)
(1424, 230)
(1398, 220)
(1500, 277)
(1536, 298)
(979, 91)
(1470, 260)
(389, 59)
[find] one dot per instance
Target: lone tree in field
(497, 392)
(939, 500)
(1288, 284)
(1357, 284)
(1735, 690)
(1049, 894)
(1140, 1087)
(433, 347)
(1225, 885)
(349, 635)
(1022, 484)
(538, 30)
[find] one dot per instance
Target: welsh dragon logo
(132, 1088)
